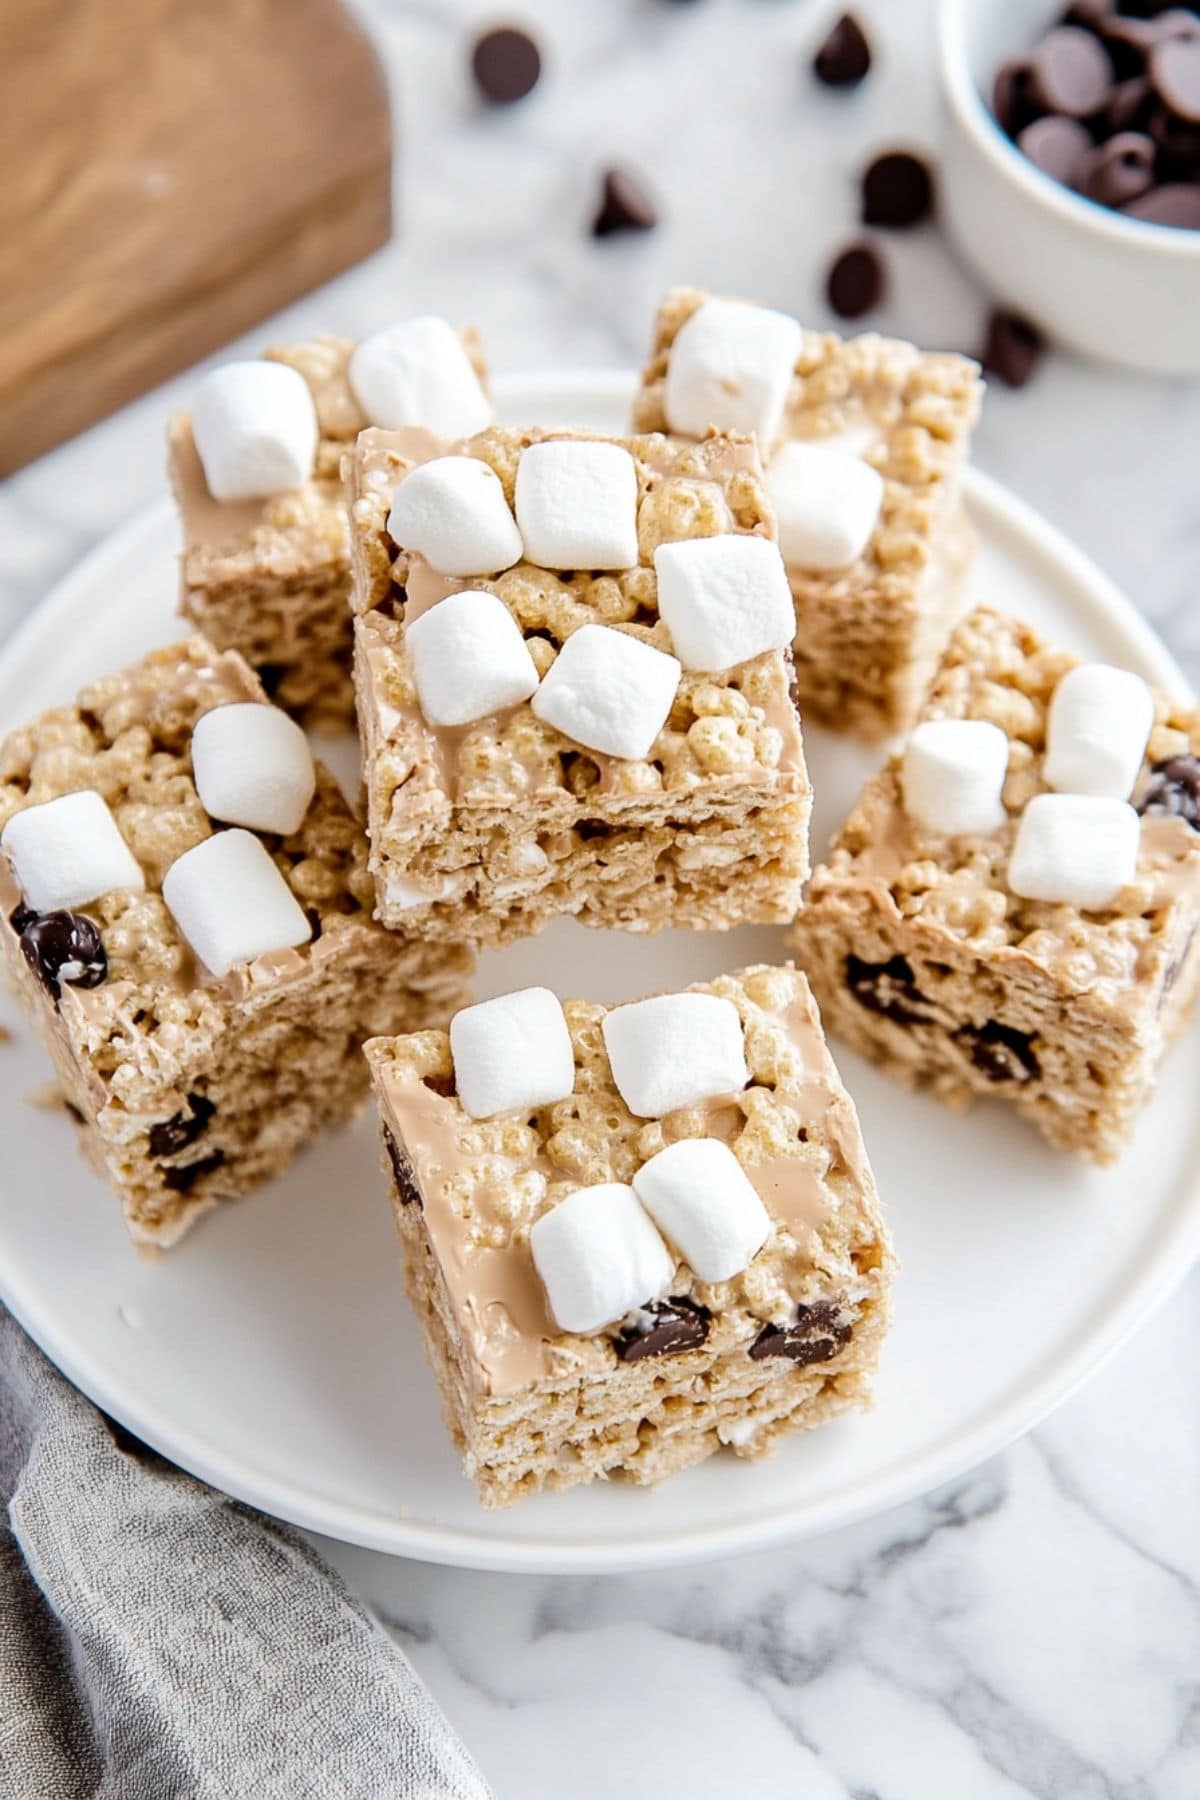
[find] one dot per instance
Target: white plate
(273, 1353)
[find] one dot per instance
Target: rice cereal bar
(865, 440)
(633, 1234)
(255, 469)
(185, 912)
(1011, 908)
(574, 685)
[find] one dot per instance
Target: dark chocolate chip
(889, 988)
(1058, 147)
(855, 282)
(897, 190)
(1177, 204)
(1070, 72)
(624, 206)
(1174, 69)
(1129, 105)
(1177, 143)
(844, 59)
(1000, 1052)
(506, 64)
(1119, 170)
(183, 1179)
(671, 1326)
(271, 675)
(172, 1135)
(19, 918)
(1013, 99)
(63, 946)
(407, 1191)
(1173, 790)
(588, 829)
(1012, 349)
(815, 1337)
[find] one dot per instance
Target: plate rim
(1161, 1268)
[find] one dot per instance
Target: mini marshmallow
(1096, 735)
(254, 425)
(469, 658)
(452, 511)
(418, 373)
(1076, 848)
(609, 691)
(827, 504)
(252, 766)
(724, 599)
(231, 903)
(576, 504)
(599, 1257)
(705, 1205)
(68, 851)
(952, 776)
(675, 1050)
(731, 366)
(512, 1054)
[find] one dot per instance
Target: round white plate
(273, 1353)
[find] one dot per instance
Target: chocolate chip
(1089, 13)
(183, 1180)
(1173, 790)
(1119, 170)
(1177, 143)
(625, 206)
(1177, 204)
(1000, 1051)
(897, 189)
(1129, 105)
(855, 282)
(506, 64)
(407, 1191)
(1058, 147)
(889, 988)
(588, 829)
(1070, 72)
(62, 946)
(1012, 349)
(271, 675)
(671, 1326)
(815, 1337)
(1013, 99)
(1174, 69)
(172, 1135)
(844, 59)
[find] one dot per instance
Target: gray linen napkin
(161, 1642)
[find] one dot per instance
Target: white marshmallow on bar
(231, 902)
(952, 776)
(576, 505)
(452, 511)
(68, 851)
(599, 1257)
(469, 658)
(675, 1050)
(512, 1054)
(826, 502)
(608, 691)
(705, 1205)
(252, 766)
(1080, 849)
(724, 599)
(731, 366)
(1097, 731)
(418, 373)
(254, 425)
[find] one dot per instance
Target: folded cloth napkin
(161, 1642)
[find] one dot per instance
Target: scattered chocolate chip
(1119, 170)
(625, 206)
(1177, 204)
(844, 59)
(1000, 1052)
(1058, 147)
(855, 282)
(671, 1326)
(897, 190)
(1013, 100)
(407, 1191)
(815, 1337)
(172, 1135)
(888, 987)
(506, 64)
(1173, 790)
(1012, 348)
(183, 1180)
(1174, 69)
(1070, 72)
(63, 946)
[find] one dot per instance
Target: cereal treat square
(1011, 909)
(624, 1257)
(574, 685)
(185, 913)
(265, 567)
(865, 440)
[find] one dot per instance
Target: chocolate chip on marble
(670, 1326)
(1059, 147)
(506, 64)
(816, 1335)
(1177, 203)
(844, 59)
(182, 1180)
(172, 1135)
(624, 206)
(889, 988)
(1070, 72)
(1000, 1052)
(407, 1191)
(1012, 348)
(1173, 790)
(897, 189)
(1119, 170)
(855, 282)
(62, 946)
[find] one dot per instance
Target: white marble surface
(1034, 1630)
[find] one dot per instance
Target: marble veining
(1033, 1630)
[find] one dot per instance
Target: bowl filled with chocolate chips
(1071, 175)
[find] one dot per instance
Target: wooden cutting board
(173, 170)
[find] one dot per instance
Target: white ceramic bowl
(1118, 289)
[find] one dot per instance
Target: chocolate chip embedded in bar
(815, 1335)
(1173, 789)
(62, 946)
(181, 1130)
(664, 1328)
